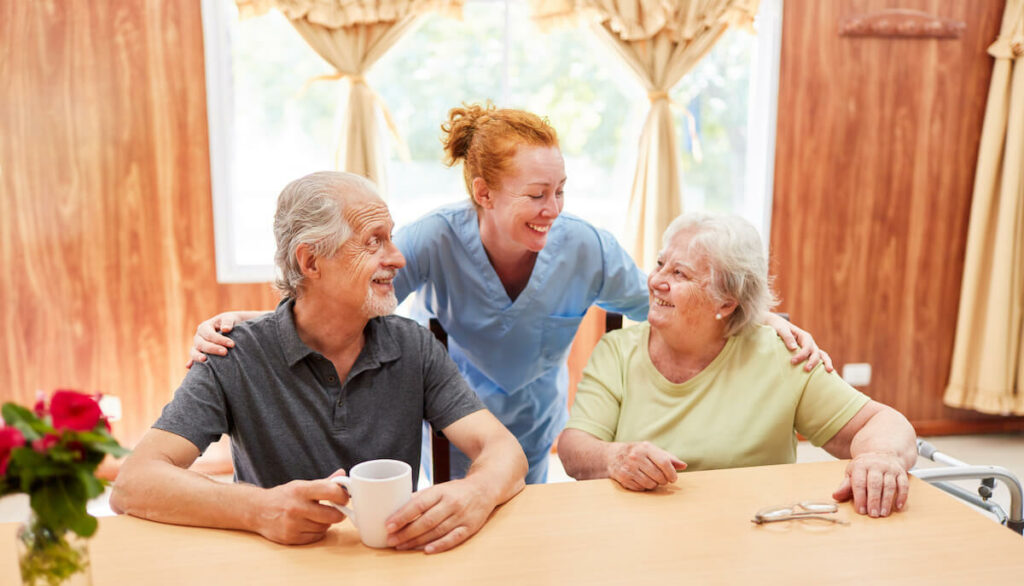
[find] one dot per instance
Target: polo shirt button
(330, 379)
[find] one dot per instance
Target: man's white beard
(377, 305)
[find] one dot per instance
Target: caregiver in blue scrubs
(509, 276)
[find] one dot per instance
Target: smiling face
(361, 272)
(678, 289)
(520, 211)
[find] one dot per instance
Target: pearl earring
(718, 316)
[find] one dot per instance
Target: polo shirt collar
(292, 346)
(381, 346)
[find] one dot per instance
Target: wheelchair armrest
(1016, 518)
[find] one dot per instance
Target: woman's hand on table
(440, 517)
(876, 482)
(643, 466)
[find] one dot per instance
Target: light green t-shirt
(743, 409)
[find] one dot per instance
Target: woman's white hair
(309, 211)
(737, 264)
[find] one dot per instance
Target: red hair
(486, 138)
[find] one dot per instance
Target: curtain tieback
(1007, 48)
(325, 77)
(356, 79)
(691, 122)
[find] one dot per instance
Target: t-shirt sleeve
(826, 405)
(447, 396)
(599, 393)
(624, 289)
(411, 277)
(198, 412)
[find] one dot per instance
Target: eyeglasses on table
(803, 510)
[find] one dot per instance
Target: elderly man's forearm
(162, 492)
(500, 470)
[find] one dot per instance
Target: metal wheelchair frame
(956, 470)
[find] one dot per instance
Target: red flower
(10, 438)
(46, 442)
(74, 411)
(40, 407)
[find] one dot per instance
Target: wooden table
(697, 531)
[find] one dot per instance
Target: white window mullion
(762, 110)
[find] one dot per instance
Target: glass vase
(52, 558)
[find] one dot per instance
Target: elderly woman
(702, 385)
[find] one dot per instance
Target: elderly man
(326, 381)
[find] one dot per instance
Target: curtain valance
(637, 20)
(342, 13)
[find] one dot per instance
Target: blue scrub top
(513, 353)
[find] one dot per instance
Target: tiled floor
(1005, 450)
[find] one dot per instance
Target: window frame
(217, 36)
(762, 115)
(220, 95)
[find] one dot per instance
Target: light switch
(857, 374)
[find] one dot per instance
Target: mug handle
(344, 481)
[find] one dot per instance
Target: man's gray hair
(309, 211)
(737, 263)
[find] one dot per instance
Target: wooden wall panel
(876, 148)
(106, 230)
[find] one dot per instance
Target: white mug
(377, 488)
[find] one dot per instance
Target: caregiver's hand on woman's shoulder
(801, 342)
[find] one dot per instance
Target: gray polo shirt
(290, 418)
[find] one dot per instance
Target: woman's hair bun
(460, 127)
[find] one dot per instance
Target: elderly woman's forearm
(583, 456)
(887, 431)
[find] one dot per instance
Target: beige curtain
(987, 373)
(352, 35)
(660, 41)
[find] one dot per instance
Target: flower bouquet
(51, 454)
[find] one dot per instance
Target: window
(265, 131)
(732, 96)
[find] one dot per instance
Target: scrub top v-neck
(513, 353)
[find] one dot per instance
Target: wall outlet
(857, 374)
(111, 407)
